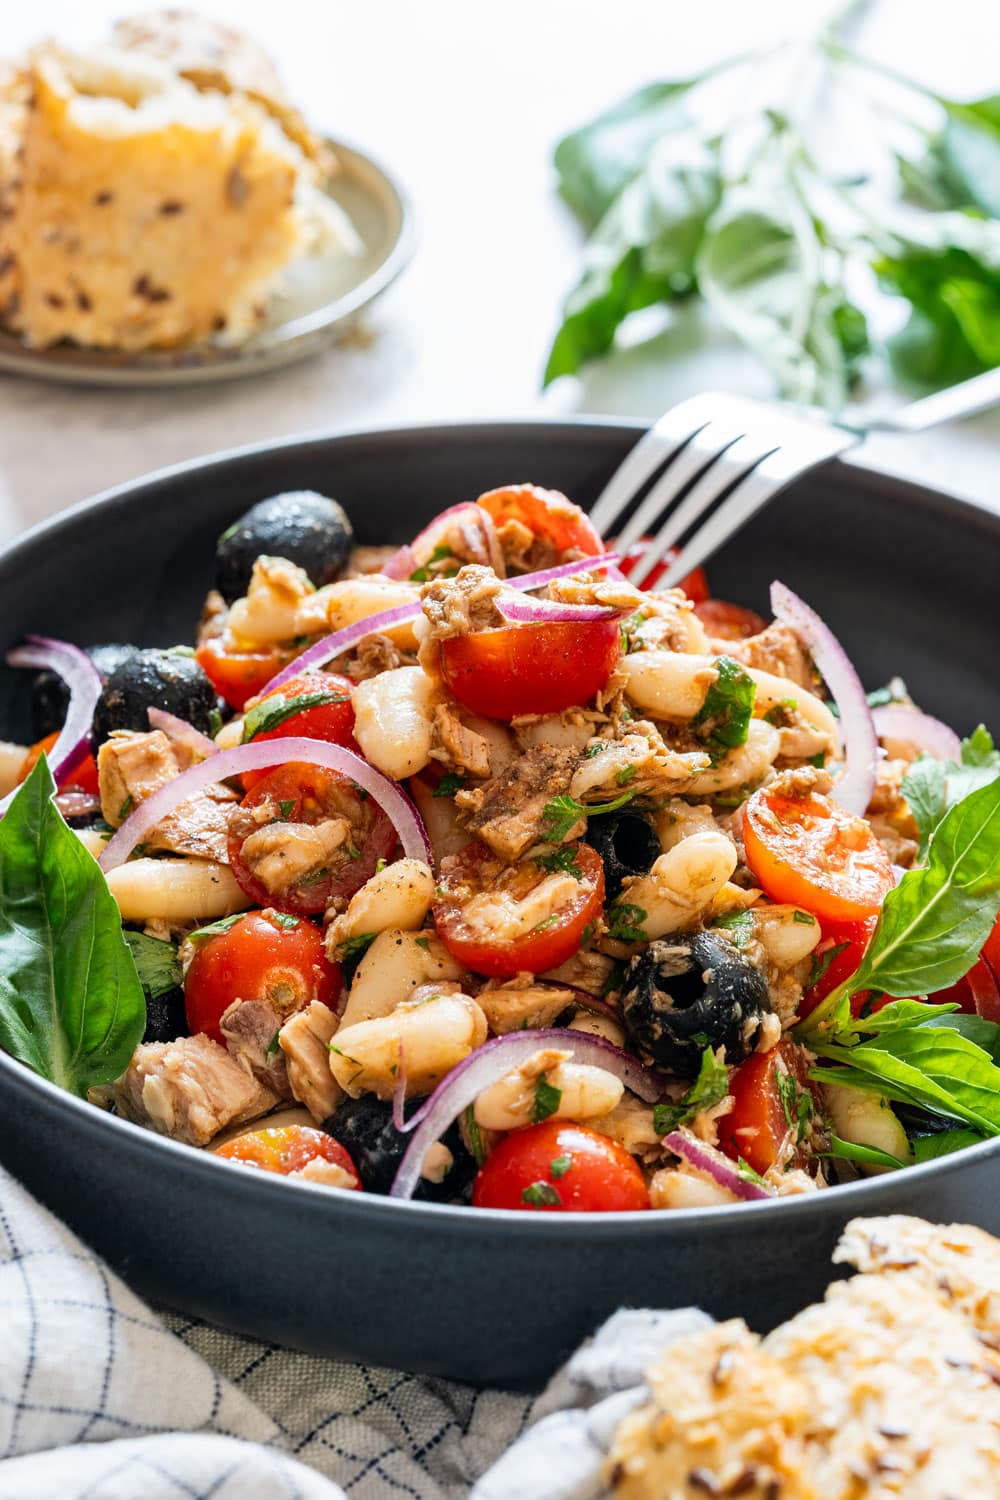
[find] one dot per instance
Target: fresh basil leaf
(985, 1034)
(933, 1068)
(932, 786)
(865, 1156)
(71, 1004)
(642, 252)
(759, 269)
(943, 1143)
(709, 1088)
(595, 162)
(156, 963)
(724, 717)
(270, 712)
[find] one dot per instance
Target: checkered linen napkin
(101, 1399)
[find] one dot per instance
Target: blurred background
(464, 103)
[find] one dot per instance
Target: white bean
(748, 764)
(175, 890)
(679, 819)
(675, 1188)
(776, 692)
(427, 1038)
(398, 896)
(681, 883)
(786, 934)
(352, 599)
(669, 684)
(395, 965)
(585, 1092)
(11, 761)
(277, 589)
(393, 720)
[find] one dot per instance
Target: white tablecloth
(101, 1399)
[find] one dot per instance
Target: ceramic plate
(323, 299)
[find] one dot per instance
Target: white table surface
(464, 99)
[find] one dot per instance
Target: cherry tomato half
(530, 669)
(332, 720)
(287, 843)
(729, 622)
(556, 522)
(774, 1105)
(847, 941)
(811, 853)
(238, 675)
(287, 1149)
(483, 914)
(560, 1168)
(263, 955)
(694, 584)
(82, 777)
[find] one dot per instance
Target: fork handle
(954, 401)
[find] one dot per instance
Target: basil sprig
(933, 925)
(71, 1004)
(932, 786)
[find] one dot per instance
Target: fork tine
(730, 465)
(778, 468)
(671, 432)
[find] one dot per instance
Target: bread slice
(140, 212)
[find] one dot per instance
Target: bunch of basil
(675, 212)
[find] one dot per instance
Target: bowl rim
(201, 1162)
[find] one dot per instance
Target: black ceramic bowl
(906, 577)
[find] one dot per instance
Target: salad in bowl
(469, 870)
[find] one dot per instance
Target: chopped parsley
(746, 1171)
(625, 923)
(546, 923)
(272, 1047)
(125, 809)
(547, 1100)
(739, 926)
(353, 951)
(559, 1166)
(284, 920)
(473, 1135)
(561, 862)
(805, 918)
(286, 808)
(724, 717)
(625, 775)
(202, 934)
(156, 963)
(563, 813)
(588, 933)
(709, 1088)
(596, 747)
(541, 1195)
(315, 878)
(424, 942)
(796, 1103)
(214, 722)
(441, 551)
(449, 784)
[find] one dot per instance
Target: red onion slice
(528, 611)
(603, 562)
(262, 756)
(478, 535)
(329, 647)
(493, 1060)
(854, 786)
(894, 721)
(714, 1164)
(182, 733)
(84, 682)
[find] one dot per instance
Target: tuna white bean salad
(470, 871)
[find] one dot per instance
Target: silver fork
(717, 459)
